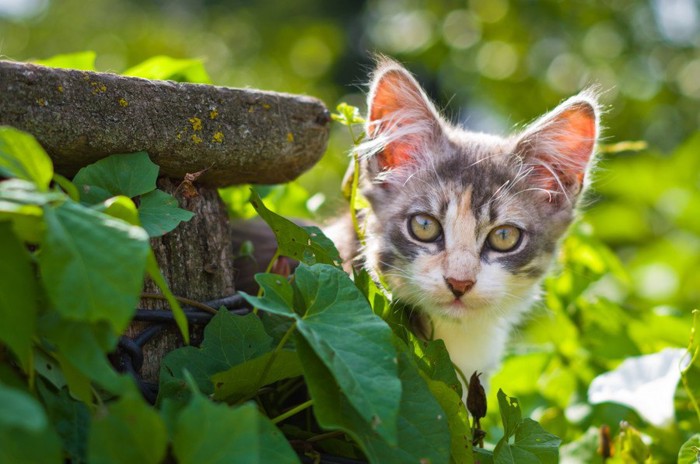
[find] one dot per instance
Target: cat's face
(464, 224)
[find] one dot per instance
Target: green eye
(504, 238)
(424, 228)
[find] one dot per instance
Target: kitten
(464, 225)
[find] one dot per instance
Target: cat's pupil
(504, 238)
(424, 228)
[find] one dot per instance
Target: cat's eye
(424, 228)
(504, 238)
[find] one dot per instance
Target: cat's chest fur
(462, 226)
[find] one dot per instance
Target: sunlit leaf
(21, 156)
(90, 254)
(130, 175)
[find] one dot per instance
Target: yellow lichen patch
(196, 139)
(213, 114)
(98, 87)
(267, 106)
(60, 88)
(196, 123)
(41, 102)
(290, 137)
(123, 103)
(218, 137)
(179, 136)
(251, 109)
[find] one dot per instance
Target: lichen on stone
(196, 123)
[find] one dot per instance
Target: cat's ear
(401, 121)
(558, 147)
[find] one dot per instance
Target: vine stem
(187, 301)
(355, 182)
(693, 356)
(295, 410)
(275, 257)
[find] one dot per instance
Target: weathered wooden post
(228, 136)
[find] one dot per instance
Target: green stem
(353, 197)
(293, 411)
(325, 436)
(267, 271)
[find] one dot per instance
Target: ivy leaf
(278, 295)
(71, 419)
(84, 348)
(422, 433)
(160, 213)
(229, 340)
(532, 444)
(21, 410)
(210, 433)
(354, 343)
(457, 419)
(130, 175)
(22, 157)
(90, 254)
(18, 296)
(25, 434)
(128, 430)
(241, 380)
(306, 244)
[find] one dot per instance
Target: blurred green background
(491, 65)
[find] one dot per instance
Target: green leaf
(305, 244)
(209, 433)
(128, 430)
(690, 451)
(278, 297)
(159, 213)
(130, 175)
(21, 156)
(457, 419)
(18, 296)
(532, 444)
(67, 186)
(25, 433)
(71, 419)
(510, 413)
(229, 340)
(82, 346)
(422, 433)
(433, 359)
(241, 380)
(90, 254)
(85, 61)
(21, 410)
(167, 68)
(353, 342)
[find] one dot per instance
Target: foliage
(619, 292)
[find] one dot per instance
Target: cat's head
(465, 224)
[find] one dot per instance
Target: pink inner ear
(577, 138)
(396, 103)
(564, 145)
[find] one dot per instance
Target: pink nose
(459, 287)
